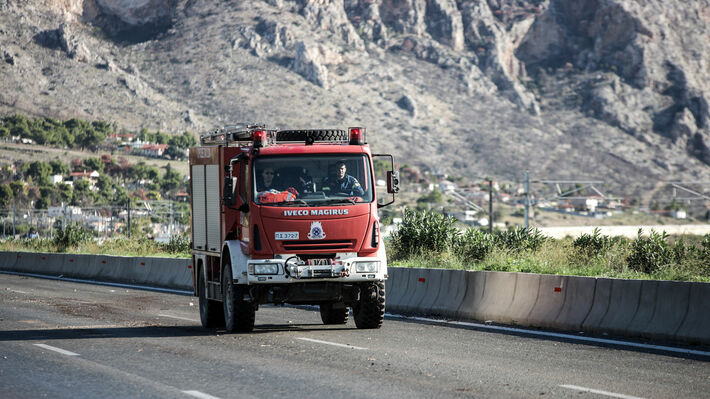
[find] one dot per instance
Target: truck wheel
(369, 311)
(211, 314)
(316, 135)
(238, 314)
(331, 313)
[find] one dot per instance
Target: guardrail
(658, 310)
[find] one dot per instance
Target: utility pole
(128, 209)
(527, 199)
(490, 206)
(13, 221)
(170, 228)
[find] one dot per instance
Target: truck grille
(320, 245)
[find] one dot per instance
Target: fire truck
(288, 217)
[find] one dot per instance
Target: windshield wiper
(286, 203)
(335, 201)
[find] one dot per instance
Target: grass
(119, 247)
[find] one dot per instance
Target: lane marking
(599, 392)
(16, 291)
(331, 343)
(58, 350)
(570, 337)
(199, 394)
(178, 318)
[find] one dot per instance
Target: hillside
(615, 90)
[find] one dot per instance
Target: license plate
(320, 262)
(286, 235)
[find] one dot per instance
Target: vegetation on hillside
(429, 239)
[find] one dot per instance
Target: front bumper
(284, 270)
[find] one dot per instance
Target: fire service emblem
(317, 232)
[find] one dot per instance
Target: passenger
(266, 181)
(343, 183)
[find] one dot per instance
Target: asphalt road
(70, 340)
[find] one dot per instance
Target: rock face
(560, 87)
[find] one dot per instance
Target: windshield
(312, 180)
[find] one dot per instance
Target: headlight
(264, 268)
(367, 267)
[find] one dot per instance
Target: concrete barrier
(579, 297)
(170, 273)
(396, 297)
(8, 260)
(419, 287)
(623, 304)
(647, 307)
(672, 300)
(475, 288)
(549, 302)
(451, 294)
(696, 326)
(600, 305)
(524, 296)
(436, 285)
(497, 295)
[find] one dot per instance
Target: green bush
(653, 253)
(473, 245)
(519, 239)
(592, 245)
(177, 245)
(422, 232)
(70, 236)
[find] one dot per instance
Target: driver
(265, 181)
(343, 183)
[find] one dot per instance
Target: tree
(94, 164)
(59, 168)
(6, 196)
(82, 193)
(171, 180)
(39, 171)
(19, 193)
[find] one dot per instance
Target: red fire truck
(288, 216)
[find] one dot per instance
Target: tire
(211, 314)
(316, 135)
(238, 314)
(330, 314)
(369, 311)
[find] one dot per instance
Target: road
(69, 340)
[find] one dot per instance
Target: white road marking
(599, 392)
(16, 291)
(58, 350)
(200, 395)
(179, 318)
(570, 337)
(331, 343)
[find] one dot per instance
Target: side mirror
(229, 198)
(392, 181)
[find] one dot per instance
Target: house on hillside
(92, 176)
(153, 150)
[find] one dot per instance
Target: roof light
(259, 138)
(357, 135)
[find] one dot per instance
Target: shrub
(177, 244)
(71, 236)
(653, 253)
(592, 245)
(473, 245)
(520, 239)
(422, 232)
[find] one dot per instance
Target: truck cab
(288, 217)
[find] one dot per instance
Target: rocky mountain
(615, 90)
